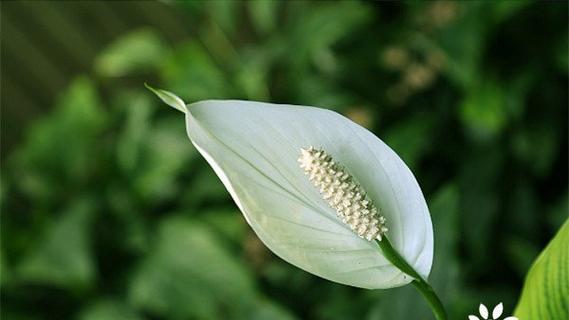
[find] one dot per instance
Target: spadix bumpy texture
(343, 193)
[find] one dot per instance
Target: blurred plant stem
(421, 284)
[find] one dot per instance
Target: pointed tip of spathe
(169, 98)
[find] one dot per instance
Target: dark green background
(108, 212)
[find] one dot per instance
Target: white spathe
(253, 147)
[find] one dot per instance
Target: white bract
(254, 148)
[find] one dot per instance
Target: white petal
(471, 317)
(497, 312)
(483, 311)
(253, 147)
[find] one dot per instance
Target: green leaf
(251, 77)
(228, 224)
(546, 288)
(169, 98)
(266, 309)
(411, 138)
(189, 275)
(132, 139)
(315, 30)
(61, 149)
(503, 10)
(63, 256)
(4, 272)
(138, 51)
(484, 111)
(164, 155)
(264, 15)
(224, 14)
(205, 188)
(446, 268)
(192, 73)
(109, 310)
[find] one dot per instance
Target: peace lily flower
(320, 191)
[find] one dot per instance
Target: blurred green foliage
(108, 212)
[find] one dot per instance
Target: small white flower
(483, 311)
(496, 313)
(254, 148)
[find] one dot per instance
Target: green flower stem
(424, 288)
